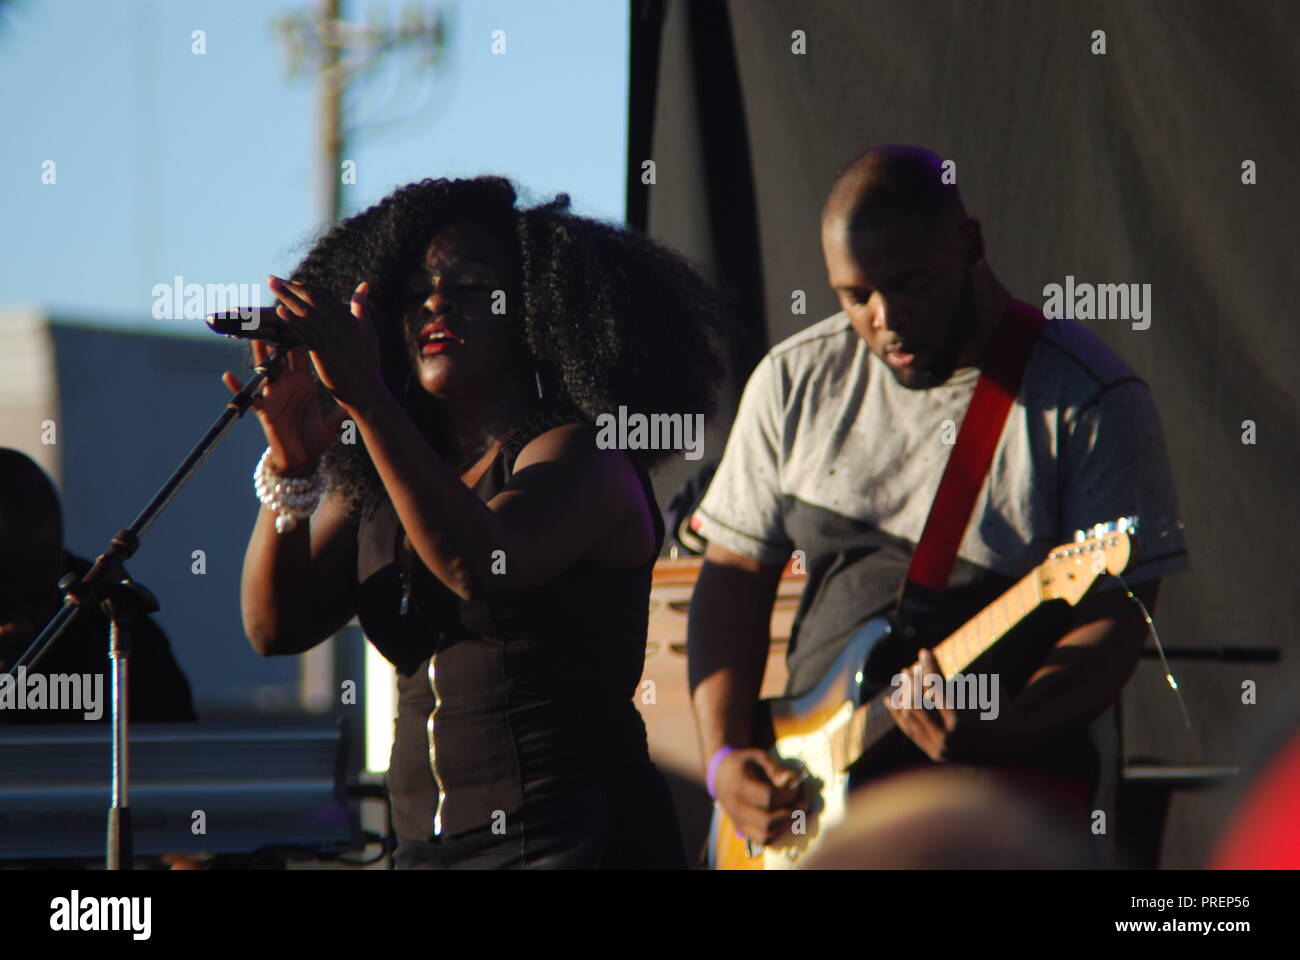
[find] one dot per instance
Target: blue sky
(170, 163)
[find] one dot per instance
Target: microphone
(253, 323)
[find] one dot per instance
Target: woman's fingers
(291, 291)
(297, 288)
(302, 292)
(234, 385)
(290, 320)
(361, 300)
(288, 297)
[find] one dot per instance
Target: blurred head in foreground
(948, 818)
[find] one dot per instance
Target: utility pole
(330, 119)
(341, 53)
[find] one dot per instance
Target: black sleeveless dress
(517, 743)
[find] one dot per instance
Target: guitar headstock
(1070, 569)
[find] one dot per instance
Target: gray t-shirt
(831, 456)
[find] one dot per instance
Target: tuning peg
(1097, 530)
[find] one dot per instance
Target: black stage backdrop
(1122, 167)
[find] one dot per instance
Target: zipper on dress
(433, 750)
(402, 554)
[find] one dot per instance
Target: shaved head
(890, 184)
(901, 254)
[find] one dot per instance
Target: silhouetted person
(32, 560)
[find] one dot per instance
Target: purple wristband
(713, 768)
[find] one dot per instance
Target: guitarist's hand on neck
(949, 735)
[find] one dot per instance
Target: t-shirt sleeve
(1117, 466)
(742, 509)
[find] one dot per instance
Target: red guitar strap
(968, 464)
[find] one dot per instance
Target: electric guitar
(844, 719)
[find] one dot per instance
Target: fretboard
(964, 646)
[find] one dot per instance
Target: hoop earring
(537, 375)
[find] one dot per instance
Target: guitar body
(843, 723)
(806, 731)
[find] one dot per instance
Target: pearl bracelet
(291, 498)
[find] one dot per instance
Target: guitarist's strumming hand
(759, 794)
(950, 735)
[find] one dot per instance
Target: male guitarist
(837, 450)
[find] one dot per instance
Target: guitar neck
(872, 721)
(977, 635)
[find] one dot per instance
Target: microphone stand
(123, 602)
(123, 599)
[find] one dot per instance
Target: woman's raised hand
(341, 338)
(298, 430)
